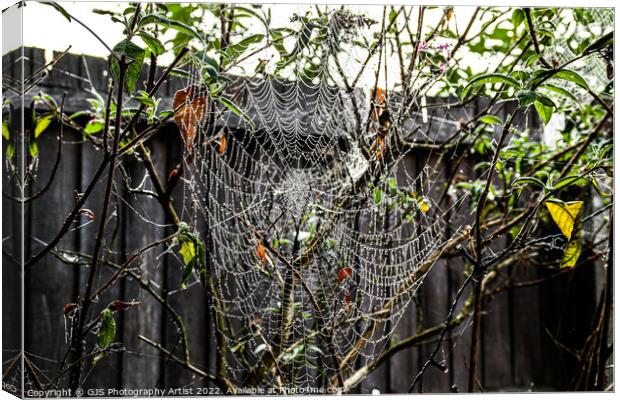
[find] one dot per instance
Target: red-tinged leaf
(379, 104)
(344, 273)
(347, 299)
(190, 107)
(88, 213)
(173, 173)
(119, 305)
(69, 307)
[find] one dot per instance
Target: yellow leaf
(187, 251)
(42, 123)
(5, 130)
(424, 206)
(571, 253)
(564, 215)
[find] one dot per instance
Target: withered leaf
(344, 273)
(221, 148)
(190, 108)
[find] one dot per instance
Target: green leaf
(208, 66)
(188, 252)
(518, 16)
(10, 150)
(545, 32)
(107, 329)
(598, 188)
(180, 73)
(303, 39)
(165, 114)
(544, 111)
(377, 195)
(192, 251)
(545, 100)
(235, 50)
(5, 130)
(134, 56)
(528, 180)
(41, 124)
(570, 180)
(489, 78)
(187, 273)
(543, 75)
(143, 98)
(94, 126)
(154, 44)
(241, 10)
(79, 114)
(211, 72)
(240, 345)
(168, 24)
(571, 76)
(232, 107)
(526, 97)
(58, 8)
(277, 41)
(599, 44)
(491, 120)
(560, 90)
(33, 149)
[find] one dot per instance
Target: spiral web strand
(311, 260)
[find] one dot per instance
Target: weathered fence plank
(147, 318)
(50, 283)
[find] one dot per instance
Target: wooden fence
(519, 325)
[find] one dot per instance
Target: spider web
(311, 259)
(592, 67)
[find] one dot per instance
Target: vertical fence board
(144, 361)
(50, 283)
(109, 372)
(190, 303)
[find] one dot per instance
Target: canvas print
(273, 199)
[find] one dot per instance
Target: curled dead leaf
(379, 104)
(69, 307)
(88, 213)
(120, 305)
(261, 252)
(344, 273)
(190, 108)
(221, 148)
(380, 148)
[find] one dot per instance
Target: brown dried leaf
(221, 149)
(190, 109)
(261, 252)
